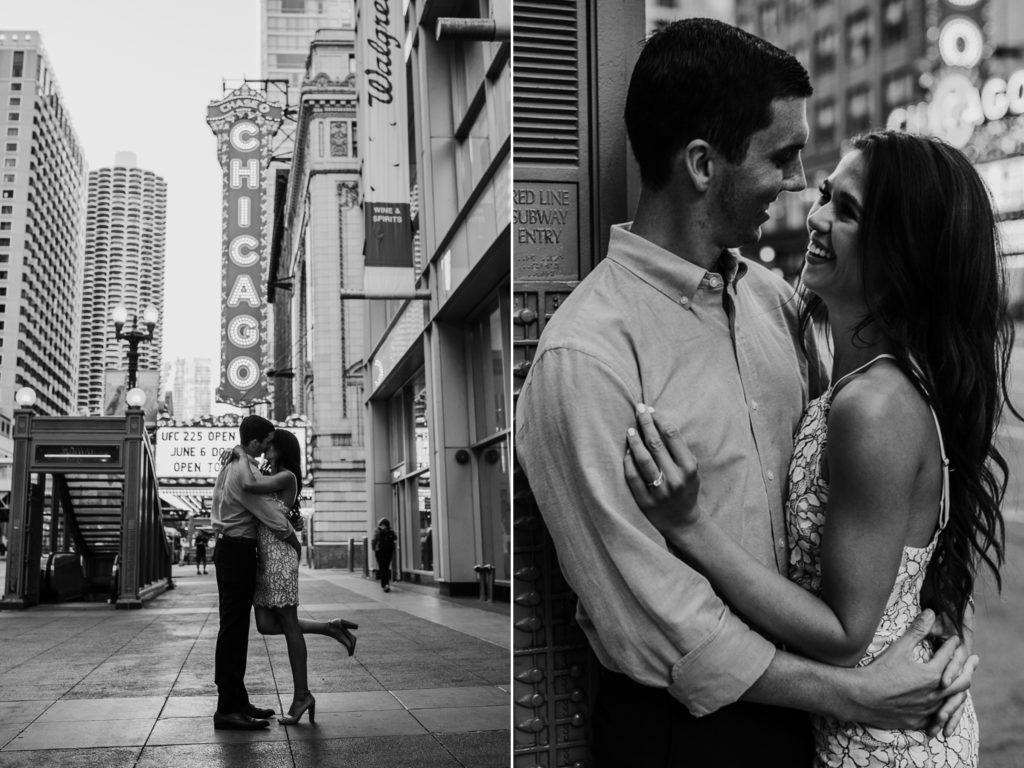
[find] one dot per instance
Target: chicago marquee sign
(244, 122)
(958, 106)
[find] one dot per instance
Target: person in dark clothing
(201, 540)
(384, 550)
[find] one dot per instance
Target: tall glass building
(126, 224)
(287, 28)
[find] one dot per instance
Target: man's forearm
(799, 683)
(894, 691)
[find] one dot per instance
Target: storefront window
(491, 385)
(396, 432)
(409, 451)
(489, 363)
(494, 498)
(425, 552)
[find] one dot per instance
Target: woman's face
(832, 265)
(272, 453)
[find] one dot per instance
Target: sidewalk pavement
(84, 684)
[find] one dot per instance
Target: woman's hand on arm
(817, 628)
(226, 457)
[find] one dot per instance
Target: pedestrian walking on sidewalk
(276, 599)
(383, 545)
(236, 513)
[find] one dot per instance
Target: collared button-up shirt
(719, 355)
(237, 512)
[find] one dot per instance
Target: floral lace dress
(277, 578)
(843, 744)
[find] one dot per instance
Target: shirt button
(684, 301)
(753, 404)
(781, 542)
(714, 282)
(770, 475)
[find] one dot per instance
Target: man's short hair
(704, 79)
(254, 428)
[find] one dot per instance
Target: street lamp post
(134, 337)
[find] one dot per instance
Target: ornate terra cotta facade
(318, 337)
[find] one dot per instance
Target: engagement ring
(657, 481)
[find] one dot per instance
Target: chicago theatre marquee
(977, 105)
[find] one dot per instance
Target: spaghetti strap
(914, 368)
(857, 370)
(944, 502)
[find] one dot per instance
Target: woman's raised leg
(266, 621)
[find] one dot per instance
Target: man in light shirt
(236, 514)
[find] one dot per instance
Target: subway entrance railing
(85, 491)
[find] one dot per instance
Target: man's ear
(698, 162)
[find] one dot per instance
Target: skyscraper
(41, 233)
(287, 28)
(124, 265)
(192, 388)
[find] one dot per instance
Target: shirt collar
(671, 274)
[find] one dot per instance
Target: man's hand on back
(897, 692)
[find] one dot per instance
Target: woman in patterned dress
(276, 600)
(903, 254)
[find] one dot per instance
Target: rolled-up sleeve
(655, 618)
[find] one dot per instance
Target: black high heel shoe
(308, 703)
(341, 633)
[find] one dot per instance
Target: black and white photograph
(512, 383)
(768, 293)
(255, 383)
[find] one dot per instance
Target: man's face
(772, 165)
(258, 447)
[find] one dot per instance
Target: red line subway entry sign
(243, 122)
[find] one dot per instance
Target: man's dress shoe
(237, 721)
(257, 712)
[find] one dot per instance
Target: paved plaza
(83, 684)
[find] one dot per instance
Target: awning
(188, 500)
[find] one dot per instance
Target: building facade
(662, 12)
(125, 235)
(42, 204)
(319, 338)
(437, 376)
(191, 388)
(287, 28)
(876, 63)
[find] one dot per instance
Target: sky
(136, 76)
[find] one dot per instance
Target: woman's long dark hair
(289, 455)
(935, 287)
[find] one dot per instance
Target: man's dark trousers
(236, 562)
(633, 725)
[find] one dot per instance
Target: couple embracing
(751, 540)
(257, 559)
